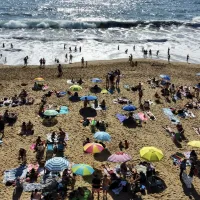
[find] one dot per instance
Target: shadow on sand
(88, 112)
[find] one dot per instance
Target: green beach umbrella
(50, 113)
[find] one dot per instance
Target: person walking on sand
(43, 62)
(40, 62)
(187, 58)
(168, 52)
(70, 58)
(60, 72)
(105, 185)
(157, 53)
(140, 95)
(168, 58)
(82, 62)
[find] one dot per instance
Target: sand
(150, 134)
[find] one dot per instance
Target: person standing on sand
(82, 62)
(43, 62)
(105, 185)
(96, 184)
(168, 51)
(187, 58)
(168, 58)
(60, 72)
(140, 95)
(157, 53)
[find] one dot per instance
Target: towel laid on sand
(170, 115)
(63, 110)
(29, 187)
(142, 116)
(121, 117)
(12, 174)
(56, 137)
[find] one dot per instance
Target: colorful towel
(29, 187)
(170, 115)
(121, 117)
(142, 116)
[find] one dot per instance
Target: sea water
(40, 28)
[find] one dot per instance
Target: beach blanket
(29, 187)
(177, 157)
(120, 187)
(121, 117)
(12, 174)
(142, 116)
(170, 115)
(63, 110)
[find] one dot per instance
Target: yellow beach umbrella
(151, 154)
(75, 88)
(93, 148)
(194, 143)
(39, 79)
(104, 91)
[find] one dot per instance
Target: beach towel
(29, 187)
(63, 110)
(127, 87)
(97, 108)
(121, 117)
(170, 115)
(12, 174)
(120, 187)
(61, 94)
(142, 116)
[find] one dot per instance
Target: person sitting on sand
(80, 81)
(123, 169)
(126, 144)
(36, 195)
(23, 129)
(32, 175)
(23, 93)
(85, 103)
(193, 156)
(61, 135)
(103, 105)
(22, 155)
(121, 146)
(146, 105)
(86, 141)
(29, 128)
(6, 116)
(53, 135)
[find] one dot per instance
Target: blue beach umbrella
(103, 136)
(129, 108)
(165, 77)
(197, 74)
(50, 113)
(96, 80)
(57, 164)
(89, 98)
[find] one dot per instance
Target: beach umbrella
(104, 91)
(194, 143)
(96, 80)
(151, 154)
(56, 164)
(89, 98)
(39, 79)
(50, 113)
(166, 77)
(82, 169)
(93, 148)
(119, 157)
(103, 136)
(197, 74)
(75, 88)
(129, 108)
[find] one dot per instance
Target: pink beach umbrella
(119, 157)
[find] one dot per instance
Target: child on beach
(105, 185)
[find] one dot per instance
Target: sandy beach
(150, 134)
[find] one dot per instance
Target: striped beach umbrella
(103, 136)
(50, 113)
(75, 88)
(82, 169)
(93, 148)
(119, 157)
(57, 164)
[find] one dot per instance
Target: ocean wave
(46, 24)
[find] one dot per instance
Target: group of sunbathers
(17, 100)
(27, 128)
